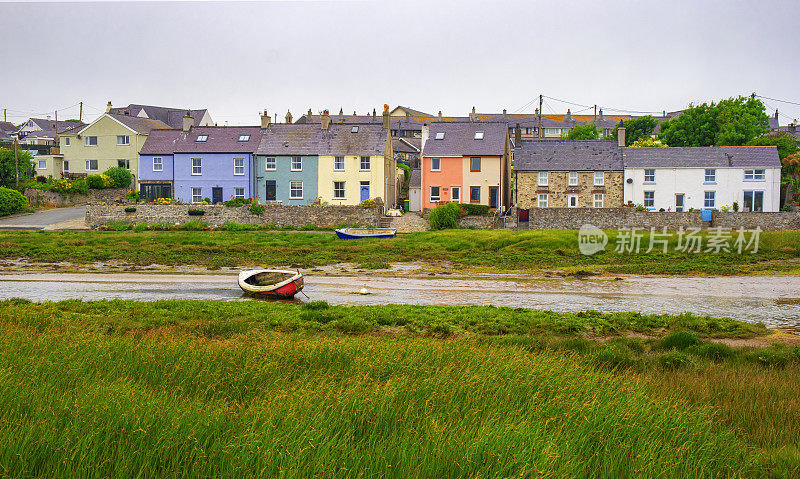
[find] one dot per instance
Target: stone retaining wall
(62, 199)
(477, 222)
(217, 215)
(779, 220)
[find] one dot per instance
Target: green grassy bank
(253, 389)
(474, 249)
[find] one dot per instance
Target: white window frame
(197, 194)
(66, 140)
(236, 167)
(123, 140)
(244, 138)
(455, 194)
(87, 141)
(597, 200)
(338, 163)
(752, 199)
(599, 178)
(293, 190)
(755, 175)
(197, 169)
(572, 179)
(438, 164)
(712, 200)
(159, 163)
(438, 195)
(89, 165)
(236, 191)
(344, 190)
(300, 161)
(651, 200)
(543, 179)
(273, 162)
(710, 175)
(201, 139)
(361, 163)
(650, 177)
(542, 200)
(569, 201)
(40, 164)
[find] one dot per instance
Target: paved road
(44, 218)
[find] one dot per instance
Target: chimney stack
(472, 114)
(440, 115)
(265, 119)
(621, 134)
(326, 120)
(108, 106)
(341, 111)
(374, 114)
(288, 116)
(792, 128)
(536, 112)
(309, 112)
(517, 136)
(601, 114)
(188, 122)
(776, 114)
(385, 116)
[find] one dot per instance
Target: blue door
(364, 190)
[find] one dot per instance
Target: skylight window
(354, 129)
(479, 135)
(244, 138)
(202, 138)
(440, 135)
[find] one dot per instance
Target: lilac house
(194, 163)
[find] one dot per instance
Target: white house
(678, 179)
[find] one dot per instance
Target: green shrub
(713, 351)
(133, 195)
(11, 201)
(475, 210)
(120, 176)
(99, 182)
(256, 209)
(118, 226)
(237, 201)
(679, 340)
(615, 357)
(674, 360)
(445, 216)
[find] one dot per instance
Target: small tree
(11, 201)
(636, 129)
(588, 131)
(785, 141)
(8, 169)
(121, 176)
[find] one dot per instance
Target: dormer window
(202, 138)
(440, 135)
(354, 129)
(479, 135)
(243, 138)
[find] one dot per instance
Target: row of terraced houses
(497, 160)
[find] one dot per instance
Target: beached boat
(271, 282)
(355, 233)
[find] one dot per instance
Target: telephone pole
(4, 114)
(540, 116)
(16, 163)
(80, 114)
(595, 114)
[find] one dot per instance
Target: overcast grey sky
(238, 58)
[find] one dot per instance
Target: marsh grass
(508, 250)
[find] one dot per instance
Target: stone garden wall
(108, 195)
(326, 216)
(779, 220)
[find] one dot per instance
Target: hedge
(11, 201)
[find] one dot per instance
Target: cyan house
(287, 161)
(214, 162)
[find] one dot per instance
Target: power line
(775, 99)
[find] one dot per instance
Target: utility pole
(4, 114)
(595, 114)
(540, 116)
(16, 162)
(80, 114)
(55, 135)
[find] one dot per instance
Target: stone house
(568, 174)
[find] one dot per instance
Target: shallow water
(772, 300)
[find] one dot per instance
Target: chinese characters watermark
(718, 240)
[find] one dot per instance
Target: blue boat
(357, 233)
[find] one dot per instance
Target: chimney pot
(374, 114)
(385, 116)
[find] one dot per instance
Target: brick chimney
(108, 106)
(325, 120)
(569, 115)
(385, 116)
(341, 111)
(188, 122)
(374, 114)
(601, 114)
(265, 119)
(517, 136)
(472, 114)
(621, 134)
(288, 116)
(440, 115)
(309, 112)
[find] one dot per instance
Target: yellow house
(111, 140)
(356, 163)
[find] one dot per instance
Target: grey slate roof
(221, 139)
(139, 125)
(702, 157)
(568, 155)
(311, 139)
(459, 139)
(171, 116)
(5, 136)
(7, 126)
(48, 127)
(403, 145)
(416, 178)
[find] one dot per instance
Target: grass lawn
(243, 389)
(471, 249)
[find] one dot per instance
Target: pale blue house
(287, 162)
